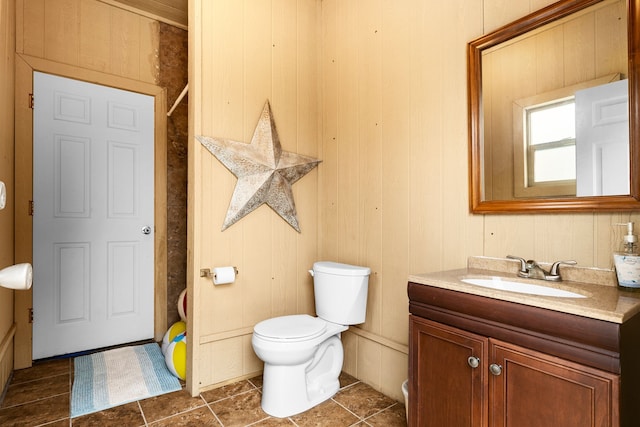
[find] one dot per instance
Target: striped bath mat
(118, 376)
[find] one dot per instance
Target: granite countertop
(604, 299)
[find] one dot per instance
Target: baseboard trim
(378, 339)
(6, 366)
(206, 339)
(7, 340)
(354, 330)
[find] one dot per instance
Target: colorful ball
(176, 356)
(175, 330)
(182, 305)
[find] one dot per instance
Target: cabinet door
(532, 389)
(446, 388)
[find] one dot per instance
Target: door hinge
(31, 315)
(31, 101)
(31, 208)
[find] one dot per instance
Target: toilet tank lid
(337, 268)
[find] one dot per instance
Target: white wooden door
(602, 140)
(93, 216)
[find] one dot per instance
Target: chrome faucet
(532, 270)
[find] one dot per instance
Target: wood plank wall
(393, 190)
(172, 12)
(242, 54)
(377, 90)
(7, 40)
(90, 35)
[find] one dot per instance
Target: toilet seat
(298, 327)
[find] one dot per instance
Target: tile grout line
(232, 396)
(213, 412)
(37, 400)
(255, 386)
(259, 421)
(380, 411)
(360, 419)
(204, 403)
(348, 386)
(53, 421)
(144, 418)
(13, 384)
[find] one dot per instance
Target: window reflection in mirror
(525, 76)
(550, 139)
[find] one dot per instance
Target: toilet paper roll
(222, 275)
(18, 277)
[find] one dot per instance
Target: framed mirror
(575, 59)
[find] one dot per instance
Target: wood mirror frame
(475, 125)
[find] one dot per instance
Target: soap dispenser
(627, 260)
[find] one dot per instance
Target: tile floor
(39, 396)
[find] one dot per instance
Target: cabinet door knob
(495, 369)
(473, 361)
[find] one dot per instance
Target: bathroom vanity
(488, 357)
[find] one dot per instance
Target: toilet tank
(340, 292)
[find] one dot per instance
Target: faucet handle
(523, 263)
(555, 267)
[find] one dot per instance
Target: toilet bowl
(303, 354)
(301, 369)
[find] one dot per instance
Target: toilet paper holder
(206, 272)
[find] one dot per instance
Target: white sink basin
(522, 288)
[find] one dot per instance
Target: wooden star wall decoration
(265, 173)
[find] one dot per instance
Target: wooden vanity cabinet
(477, 361)
(535, 389)
(443, 389)
(469, 380)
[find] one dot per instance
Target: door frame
(23, 301)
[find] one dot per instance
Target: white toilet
(303, 354)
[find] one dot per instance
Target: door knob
(146, 230)
(495, 369)
(473, 361)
